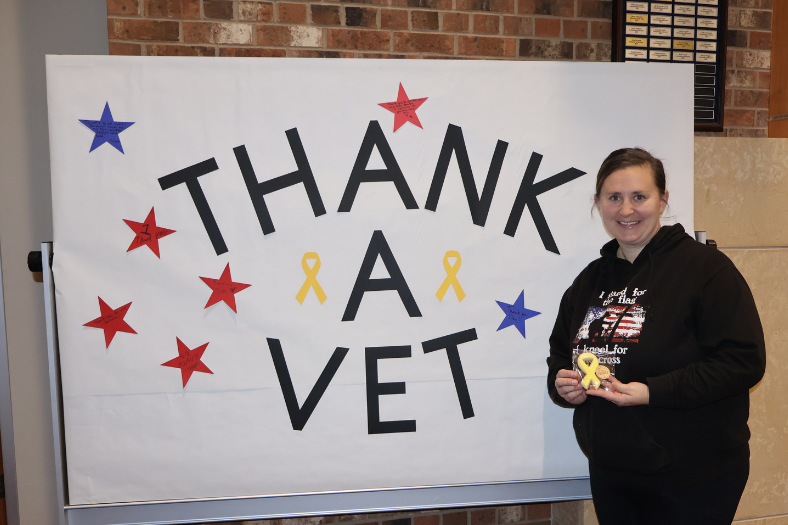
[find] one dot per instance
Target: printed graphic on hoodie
(619, 319)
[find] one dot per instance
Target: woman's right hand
(567, 384)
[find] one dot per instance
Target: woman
(667, 438)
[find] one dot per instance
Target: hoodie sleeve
(730, 334)
(560, 348)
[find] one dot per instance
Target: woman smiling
(666, 436)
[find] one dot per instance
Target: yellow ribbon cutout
(451, 276)
(311, 281)
(590, 369)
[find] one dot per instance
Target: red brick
(218, 9)
(327, 15)
(733, 18)
(753, 59)
(739, 117)
(398, 521)
(303, 53)
(456, 518)
(361, 17)
(395, 19)
(755, 19)
(218, 32)
(500, 6)
(424, 4)
(547, 27)
(488, 47)
(539, 511)
(294, 36)
(179, 51)
(122, 48)
(172, 8)
(763, 79)
(250, 52)
(256, 11)
(385, 55)
(748, 98)
(743, 3)
(767, 4)
(737, 38)
(728, 101)
(435, 519)
(359, 39)
(136, 29)
(424, 20)
(518, 25)
(123, 7)
(747, 132)
(423, 43)
(512, 514)
(549, 49)
(601, 30)
(575, 29)
(292, 13)
(546, 7)
(484, 516)
(456, 22)
(741, 79)
(761, 119)
(760, 40)
(593, 51)
(487, 24)
(595, 9)
(729, 54)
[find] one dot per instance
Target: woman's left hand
(622, 394)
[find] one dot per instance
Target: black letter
(375, 137)
(299, 416)
(450, 342)
(189, 176)
(395, 281)
(527, 195)
(455, 142)
(258, 191)
(375, 390)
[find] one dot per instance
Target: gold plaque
(637, 19)
(636, 42)
(683, 44)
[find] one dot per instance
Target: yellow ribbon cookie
(588, 363)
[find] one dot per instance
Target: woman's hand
(622, 394)
(567, 384)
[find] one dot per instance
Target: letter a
(375, 137)
(396, 281)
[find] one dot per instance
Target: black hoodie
(682, 320)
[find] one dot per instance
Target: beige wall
(741, 200)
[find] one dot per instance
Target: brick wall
(748, 59)
(511, 29)
(535, 514)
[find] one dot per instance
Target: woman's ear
(664, 202)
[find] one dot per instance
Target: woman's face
(630, 205)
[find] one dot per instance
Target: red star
(188, 361)
(111, 321)
(404, 109)
(147, 233)
(224, 289)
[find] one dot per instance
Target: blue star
(106, 130)
(516, 314)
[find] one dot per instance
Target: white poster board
(400, 285)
